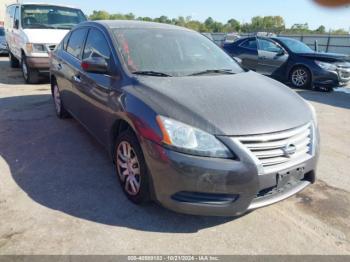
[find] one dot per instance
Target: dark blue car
(290, 60)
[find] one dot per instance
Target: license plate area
(290, 176)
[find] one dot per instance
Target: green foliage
(273, 24)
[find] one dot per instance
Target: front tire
(61, 112)
(14, 63)
(300, 77)
(131, 168)
(30, 75)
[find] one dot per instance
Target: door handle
(77, 79)
(59, 67)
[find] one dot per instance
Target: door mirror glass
(16, 24)
(97, 65)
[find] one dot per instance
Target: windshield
(2, 32)
(36, 16)
(172, 52)
(296, 46)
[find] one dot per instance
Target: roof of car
(136, 24)
(43, 4)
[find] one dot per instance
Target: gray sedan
(185, 125)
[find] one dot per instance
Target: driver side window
(269, 46)
(96, 46)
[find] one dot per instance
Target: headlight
(314, 115)
(326, 66)
(36, 48)
(190, 140)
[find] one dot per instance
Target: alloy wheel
(57, 99)
(129, 168)
(299, 77)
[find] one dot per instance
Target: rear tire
(300, 77)
(14, 63)
(31, 76)
(131, 168)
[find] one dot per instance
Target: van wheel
(14, 63)
(131, 168)
(31, 76)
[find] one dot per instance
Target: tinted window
(37, 16)
(268, 46)
(2, 32)
(96, 45)
(296, 46)
(76, 42)
(250, 44)
(173, 52)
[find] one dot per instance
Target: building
(3, 4)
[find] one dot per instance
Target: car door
(271, 57)
(95, 89)
(17, 40)
(70, 66)
(248, 53)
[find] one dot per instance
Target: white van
(33, 30)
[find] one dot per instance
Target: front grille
(280, 148)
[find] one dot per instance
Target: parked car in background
(290, 60)
(33, 30)
(184, 123)
(3, 45)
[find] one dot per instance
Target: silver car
(3, 44)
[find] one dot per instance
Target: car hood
(45, 36)
(227, 105)
(327, 57)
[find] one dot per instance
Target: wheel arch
(300, 65)
(119, 126)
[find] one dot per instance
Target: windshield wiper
(151, 73)
(213, 71)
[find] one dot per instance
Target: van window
(2, 32)
(96, 45)
(55, 17)
(76, 42)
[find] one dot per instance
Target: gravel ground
(59, 195)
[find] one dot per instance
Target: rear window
(2, 32)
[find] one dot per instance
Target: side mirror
(281, 52)
(16, 24)
(97, 65)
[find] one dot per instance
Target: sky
(293, 11)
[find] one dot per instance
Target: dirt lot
(59, 195)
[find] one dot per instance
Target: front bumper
(41, 64)
(332, 78)
(217, 187)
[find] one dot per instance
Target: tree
(340, 31)
(300, 28)
(232, 25)
(321, 30)
(99, 15)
